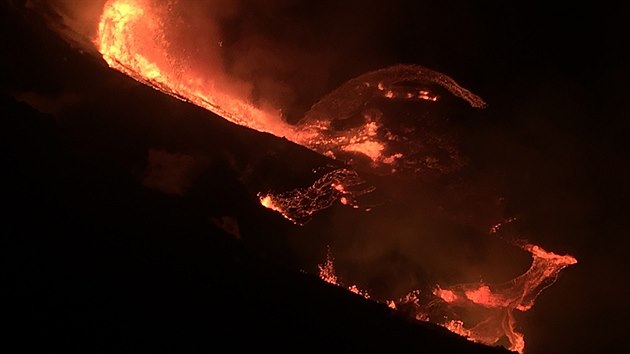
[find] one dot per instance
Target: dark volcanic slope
(93, 261)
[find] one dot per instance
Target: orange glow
(268, 203)
(426, 95)
(355, 289)
(371, 149)
(484, 297)
(132, 37)
(497, 227)
(494, 302)
(457, 326)
(446, 295)
(498, 301)
(135, 37)
(338, 187)
(327, 271)
(327, 274)
(299, 204)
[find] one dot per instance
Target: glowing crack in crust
(299, 205)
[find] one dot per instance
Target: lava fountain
(136, 38)
(133, 37)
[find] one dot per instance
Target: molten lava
(327, 274)
(492, 305)
(134, 37)
(497, 302)
(299, 205)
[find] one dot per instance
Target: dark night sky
(553, 143)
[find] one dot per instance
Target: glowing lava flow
(133, 38)
(496, 302)
(487, 308)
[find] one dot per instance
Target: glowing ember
(497, 227)
(299, 205)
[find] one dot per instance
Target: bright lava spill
(133, 37)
